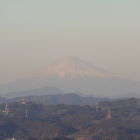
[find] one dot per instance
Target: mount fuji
(70, 74)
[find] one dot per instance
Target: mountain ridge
(73, 67)
(34, 92)
(70, 74)
(68, 99)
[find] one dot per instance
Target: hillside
(72, 121)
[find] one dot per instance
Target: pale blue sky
(35, 33)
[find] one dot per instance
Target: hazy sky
(35, 33)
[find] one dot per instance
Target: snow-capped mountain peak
(72, 67)
(71, 74)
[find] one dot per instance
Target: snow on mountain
(70, 74)
(72, 67)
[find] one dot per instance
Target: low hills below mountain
(53, 95)
(68, 99)
(70, 74)
(112, 119)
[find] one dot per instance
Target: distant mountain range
(68, 99)
(34, 92)
(128, 95)
(52, 96)
(70, 74)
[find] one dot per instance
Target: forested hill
(107, 120)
